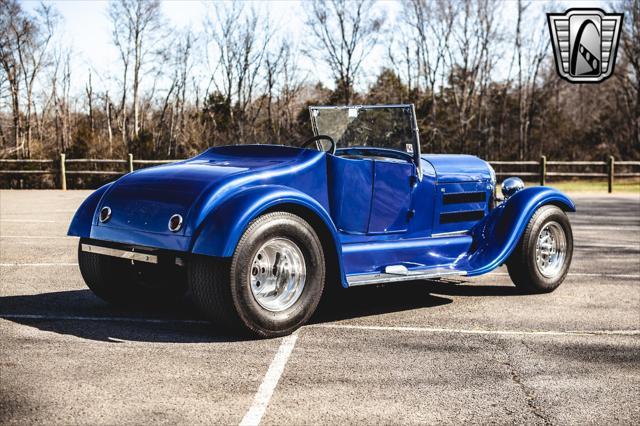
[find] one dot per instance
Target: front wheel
(540, 262)
(271, 285)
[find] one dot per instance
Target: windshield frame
(414, 127)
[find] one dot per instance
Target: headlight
(511, 185)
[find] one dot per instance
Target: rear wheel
(271, 285)
(124, 282)
(540, 262)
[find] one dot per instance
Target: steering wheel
(331, 150)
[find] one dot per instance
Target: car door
(350, 193)
(393, 182)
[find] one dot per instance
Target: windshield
(390, 127)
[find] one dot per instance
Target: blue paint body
(374, 208)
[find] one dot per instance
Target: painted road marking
(98, 319)
(27, 220)
(582, 274)
(285, 349)
(336, 326)
(269, 383)
(38, 264)
(37, 237)
(597, 245)
(484, 332)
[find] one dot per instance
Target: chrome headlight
(511, 185)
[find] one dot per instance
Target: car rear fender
(497, 235)
(83, 219)
(219, 233)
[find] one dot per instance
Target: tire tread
(518, 265)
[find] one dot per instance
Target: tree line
(481, 84)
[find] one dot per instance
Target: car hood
(146, 199)
(458, 168)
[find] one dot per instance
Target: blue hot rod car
(257, 233)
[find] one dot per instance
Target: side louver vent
(464, 197)
(466, 216)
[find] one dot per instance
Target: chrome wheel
(551, 248)
(277, 274)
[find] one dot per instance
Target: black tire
(221, 288)
(120, 283)
(522, 264)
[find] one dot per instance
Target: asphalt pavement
(452, 351)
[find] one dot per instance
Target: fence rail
(607, 168)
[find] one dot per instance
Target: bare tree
(89, 91)
(273, 66)
(449, 57)
(24, 46)
(403, 54)
(108, 106)
(60, 93)
(240, 38)
(136, 26)
(175, 100)
(432, 23)
(473, 32)
(12, 17)
(529, 63)
(629, 79)
(344, 33)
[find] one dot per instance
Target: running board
(395, 275)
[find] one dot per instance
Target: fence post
(63, 172)
(611, 172)
(543, 170)
(130, 163)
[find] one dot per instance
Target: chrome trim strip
(450, 234)
(380, 278)
(122, 254)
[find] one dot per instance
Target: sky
(86, 28)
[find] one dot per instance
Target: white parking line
(37, 237)
(582, 274)
(277, 365)
(98, 319)
(269, 383)
(38, 264)
(484, 332)
(603, 227)
(27, 220)
(598, 245)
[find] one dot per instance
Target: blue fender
(220, 232)
(83, 219)
(497, 235)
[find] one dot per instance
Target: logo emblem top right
(585, 42)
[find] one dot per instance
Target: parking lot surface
(458, 350)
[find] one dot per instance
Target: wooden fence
(534, 170)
